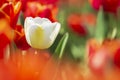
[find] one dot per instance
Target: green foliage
(61, 46)
(101, 28)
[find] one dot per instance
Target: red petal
(75, 23)
(117, 58)
(20, 39)
(4, 41)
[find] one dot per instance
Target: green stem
(61, 46)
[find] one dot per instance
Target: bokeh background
(91, 52)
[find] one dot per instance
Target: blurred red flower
(35, 9)
(92, 46)
(99, 61)
(78, 23)
(6, 34)
(99, 55)
(117, 58)
(4, 41)
(9, 12)
(12, 10)
(108, 5)
(3, 1)
(112, 46)
(20, 39)
(42, 2)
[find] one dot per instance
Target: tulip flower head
(40, 32)
(108, 5)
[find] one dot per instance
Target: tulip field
(59, 39)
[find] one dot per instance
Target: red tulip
(1, 2)
(108, 5)
(6, 34)
(92, 47)
(78, 23)
(42, 2)
(16, 11)
(49, 13)
(34, 9)
(53, 2)
(74, 22)
(100, 54)
(98, 61)
(20, 39)
(12, 10)
(117, 58)
(97, 56)
(4, 41)
(112, 46)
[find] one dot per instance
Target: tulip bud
(40, 32)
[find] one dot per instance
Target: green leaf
(78, 52)
(118, 23)
(21, 19)
(61, 46)
(112, 33)
(100, 31)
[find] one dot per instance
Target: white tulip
(40, 32)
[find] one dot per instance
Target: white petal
(56, 29)
(28, 23)
(40, 21)
(36, 35)
(51, 32)
(40, 32)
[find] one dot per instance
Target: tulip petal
(36, 36)
(40, 32)
(27, 21)
(56, 29)
(51, 32)
(39, 20)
